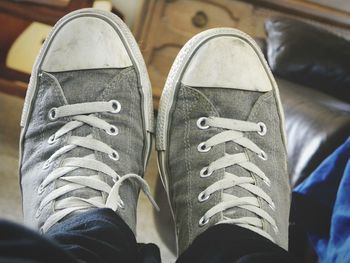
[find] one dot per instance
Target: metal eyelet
(201, 123)
(263, 128)
(267, 182)
(116, 107)
(205, 172)
(121, 204)
(112, 130)
(275, 228)
(38, 212)
(52, 139)
(41, 189)
(262, 155)
(53, 114)
(202, 148)
(203, 197)
(203, 221)
(46, 164)
(114, 156)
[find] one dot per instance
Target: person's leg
(86, 138)
(98, 235)
(222, 152)
(21, 245)
(225, 243)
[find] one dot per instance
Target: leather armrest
(316, 124)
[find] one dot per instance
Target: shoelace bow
(83, 114)
(234, 131)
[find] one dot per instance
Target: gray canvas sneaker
(220, 139)
(86, 123)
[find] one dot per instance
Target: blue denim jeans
(100, 235)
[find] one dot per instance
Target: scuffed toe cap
(228, 62)
(85, 43)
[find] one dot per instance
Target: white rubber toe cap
(85, 43)
(227, 62)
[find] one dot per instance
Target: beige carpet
(10, 198)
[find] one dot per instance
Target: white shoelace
(234, 132)
(82, 114)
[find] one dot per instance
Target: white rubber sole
(135, 56)
(171, 86)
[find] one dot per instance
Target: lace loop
(202, 147)
(113, 130)
(263, 128)
(201, 123)
(114, 155)
(116, 107)
(205, 172)
(53, 114)
(52, 139)
(203, 221)
(203, 197)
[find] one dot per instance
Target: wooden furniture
(164, 26)
(24, 27)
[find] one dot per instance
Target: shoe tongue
(79, 87)
(86, 85)
(237, 107)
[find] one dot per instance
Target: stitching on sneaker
(188, 164)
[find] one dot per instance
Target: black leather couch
(312, 69)
(315, 93)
